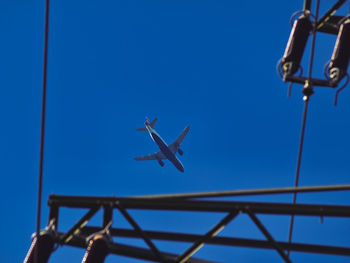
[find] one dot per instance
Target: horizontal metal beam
(134, 252)
(229, 193)
(313, 82)
(226, 241)
(254, 207)
(267, 191)
(203, 206)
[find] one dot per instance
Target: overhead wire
(308, 91)
(42, 129)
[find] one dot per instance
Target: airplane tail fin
(152, 124)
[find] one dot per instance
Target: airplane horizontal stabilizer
(152, 124)
(141, 129)
(154, 156)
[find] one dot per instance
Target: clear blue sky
(207, 64)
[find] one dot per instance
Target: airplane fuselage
(165, 149)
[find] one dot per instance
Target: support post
(107, 215)
(307, 5)
(41, 248)
(97, 250)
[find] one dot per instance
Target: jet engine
(161, 163)
(180, 151)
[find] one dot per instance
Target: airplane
(166, 152)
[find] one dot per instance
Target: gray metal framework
(195, 202)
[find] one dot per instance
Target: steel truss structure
(78, 234)
(98, 239)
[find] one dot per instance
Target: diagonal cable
(42, 129)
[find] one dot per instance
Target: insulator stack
(341, 54)
(296, 45)
(40, 249)
(97, 250)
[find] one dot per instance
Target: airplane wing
(175, 145)
(153, 156)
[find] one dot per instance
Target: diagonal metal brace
(327, 16)
(79, 225)
(268, 236)
(211, 233)
(140, 232)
